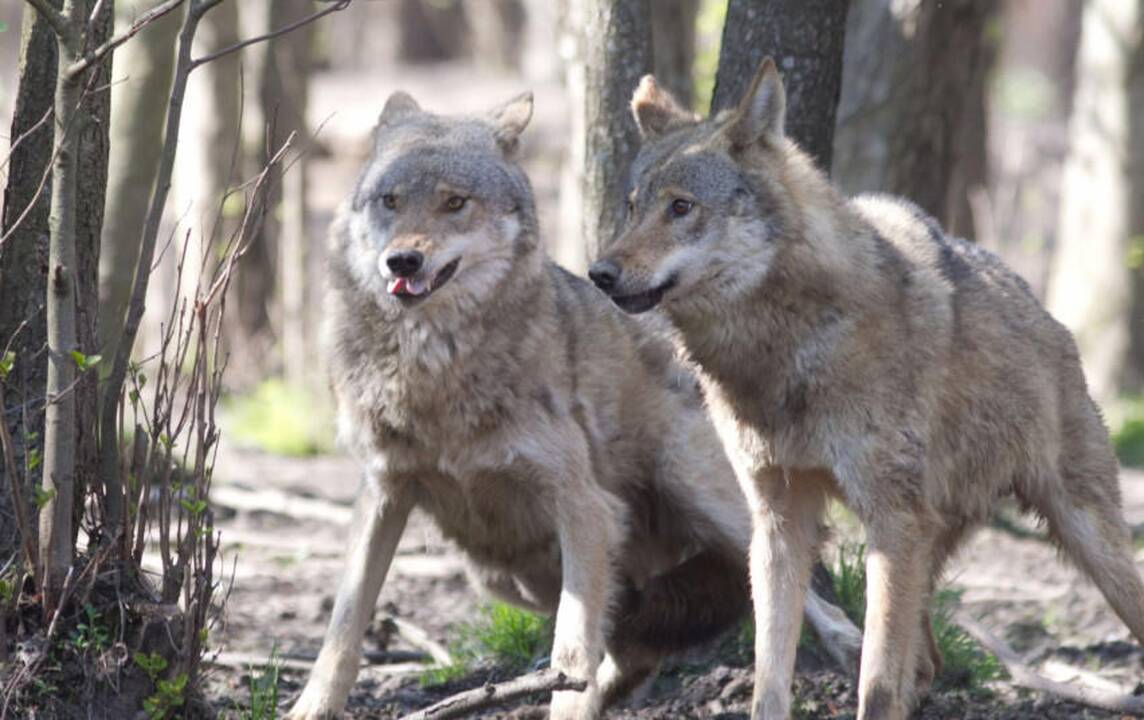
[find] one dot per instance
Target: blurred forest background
(1019, 124)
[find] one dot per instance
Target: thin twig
(465, 703)
(95, 56)
(1024, 676)
(338, 5)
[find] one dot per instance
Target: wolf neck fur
(820, 287)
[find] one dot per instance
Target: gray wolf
(850, 349)
(556, 440)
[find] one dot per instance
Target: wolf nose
(404, 263)
(604, 273)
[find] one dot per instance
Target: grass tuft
(849, 580)
(502, 635)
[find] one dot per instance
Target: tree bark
(937, 140)
(24, 255)
(615, 52)
(1091, 282)
(673, 42)
(805, 37)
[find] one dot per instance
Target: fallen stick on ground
(1024, 676)
(470, 701)
(394, 661)
(418, 638)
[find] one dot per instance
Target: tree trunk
(24, 256)
(1091, 283)
(805, 37)
(937, 140)
(496, 30)
(138, 103)
(673, 41)
(614, 53)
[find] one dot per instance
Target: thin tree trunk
(56, 520)
(137, 135)
(805, 37)
(616, 53)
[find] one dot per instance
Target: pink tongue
(398, 286)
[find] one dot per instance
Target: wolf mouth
(643, 301)
(414, 290)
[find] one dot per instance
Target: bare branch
(93, 57)
(464, 703)
(60, 25)
(335, 7)
(1024, 676)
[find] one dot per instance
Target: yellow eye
(389, 200)
(455, 203)
(681, 207)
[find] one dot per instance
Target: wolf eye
(389, 200)
(681, 207)
(455, 203)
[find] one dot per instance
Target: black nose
(604, 273)
(404, 263)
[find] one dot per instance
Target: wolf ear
(510, 120)
(762, 111)
(399, 105)
(655, 110)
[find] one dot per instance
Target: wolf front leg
(787, 507)
(897, 568)
(379, 520)
(588, 526)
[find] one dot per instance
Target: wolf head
(703, 199)
(440, 207)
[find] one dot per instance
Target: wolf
(559, 442)
(849, 348)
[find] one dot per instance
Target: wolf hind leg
(1086, 521)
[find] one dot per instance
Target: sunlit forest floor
(284, 522)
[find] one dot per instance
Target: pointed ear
(655, 110)
(510, 120)
(399, 105)
(762, 111)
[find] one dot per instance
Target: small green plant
(849, 580)
(264, 690)
(42, 497)
(1126, 416)
(502, 634)
(964, 663)
(169, 694)
(91, 633)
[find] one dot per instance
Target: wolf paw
(314, 705)
(571, 705)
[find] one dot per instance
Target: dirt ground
(283, 524)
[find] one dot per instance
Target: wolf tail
(691, 603)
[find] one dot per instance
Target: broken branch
(464, 703)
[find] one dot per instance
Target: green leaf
(42, 497)
(7, 362)
(33, 459)
(85, 362)
(194, 507)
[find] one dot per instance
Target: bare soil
(283, 529)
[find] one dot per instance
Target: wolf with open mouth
(556, 440)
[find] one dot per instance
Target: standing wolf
(851, 349)
(556, 440)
